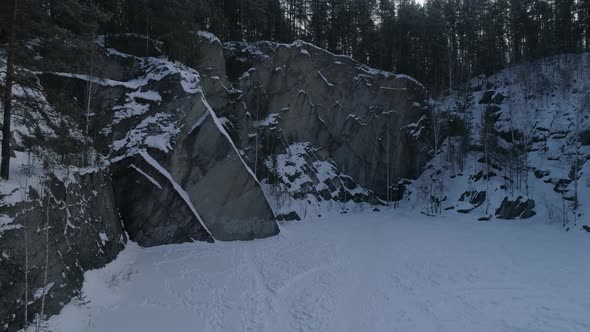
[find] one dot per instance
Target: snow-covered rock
(163, 113)
(84, 232)
(56, 218)
(539, 117)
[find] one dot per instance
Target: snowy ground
(384, 271)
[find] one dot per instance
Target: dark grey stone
(85, 233)
(519, 208)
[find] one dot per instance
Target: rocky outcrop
(359, 118)
(241, 107)
(57, 219)
(520, 208)
(164, 217)
(276, 96)
(83, 232)
(162, 114)
(520, 132)
(186, 146)
(474, 198)
(300, 175)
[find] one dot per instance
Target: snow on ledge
(224, 132)
(325, 79)
(151, 179)
(208, 36)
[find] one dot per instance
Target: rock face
(359, 118)
(165, 217)
(520, 208)
(161, 113)
(179, 151)
(358, 122)
(232, 119)
(57, 219)
(474, 198)
(84, 233)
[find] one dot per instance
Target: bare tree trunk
(42, 314)
(257, 131)
(487, 170)
(26, 277)
(26, 230)
(576, 204)
(388, 180)
(147, 29)
(6, 136)
(90, 92)
(438, 175)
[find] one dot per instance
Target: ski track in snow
(384, 271)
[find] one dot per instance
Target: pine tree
(436, 38)
(516, 34)
(565, 31)
(584, 19)
(386, 34)
(6, 130)
(318, 22)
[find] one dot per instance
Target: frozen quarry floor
(378, 271)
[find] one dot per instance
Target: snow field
(384, 271)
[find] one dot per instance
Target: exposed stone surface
(473, 197)
(520, 208)
(353, 115)
(163, 217)
(292, 216)
(186, 145)
(163, 113)
(85, 232)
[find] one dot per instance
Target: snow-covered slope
(387, 271)
(537, 120)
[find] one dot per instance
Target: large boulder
(520, 208)
(471, 200)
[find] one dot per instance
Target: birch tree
(488, 142)
(437, 178)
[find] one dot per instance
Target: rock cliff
(217, 148)
(356, 122)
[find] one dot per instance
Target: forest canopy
(440, 42)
